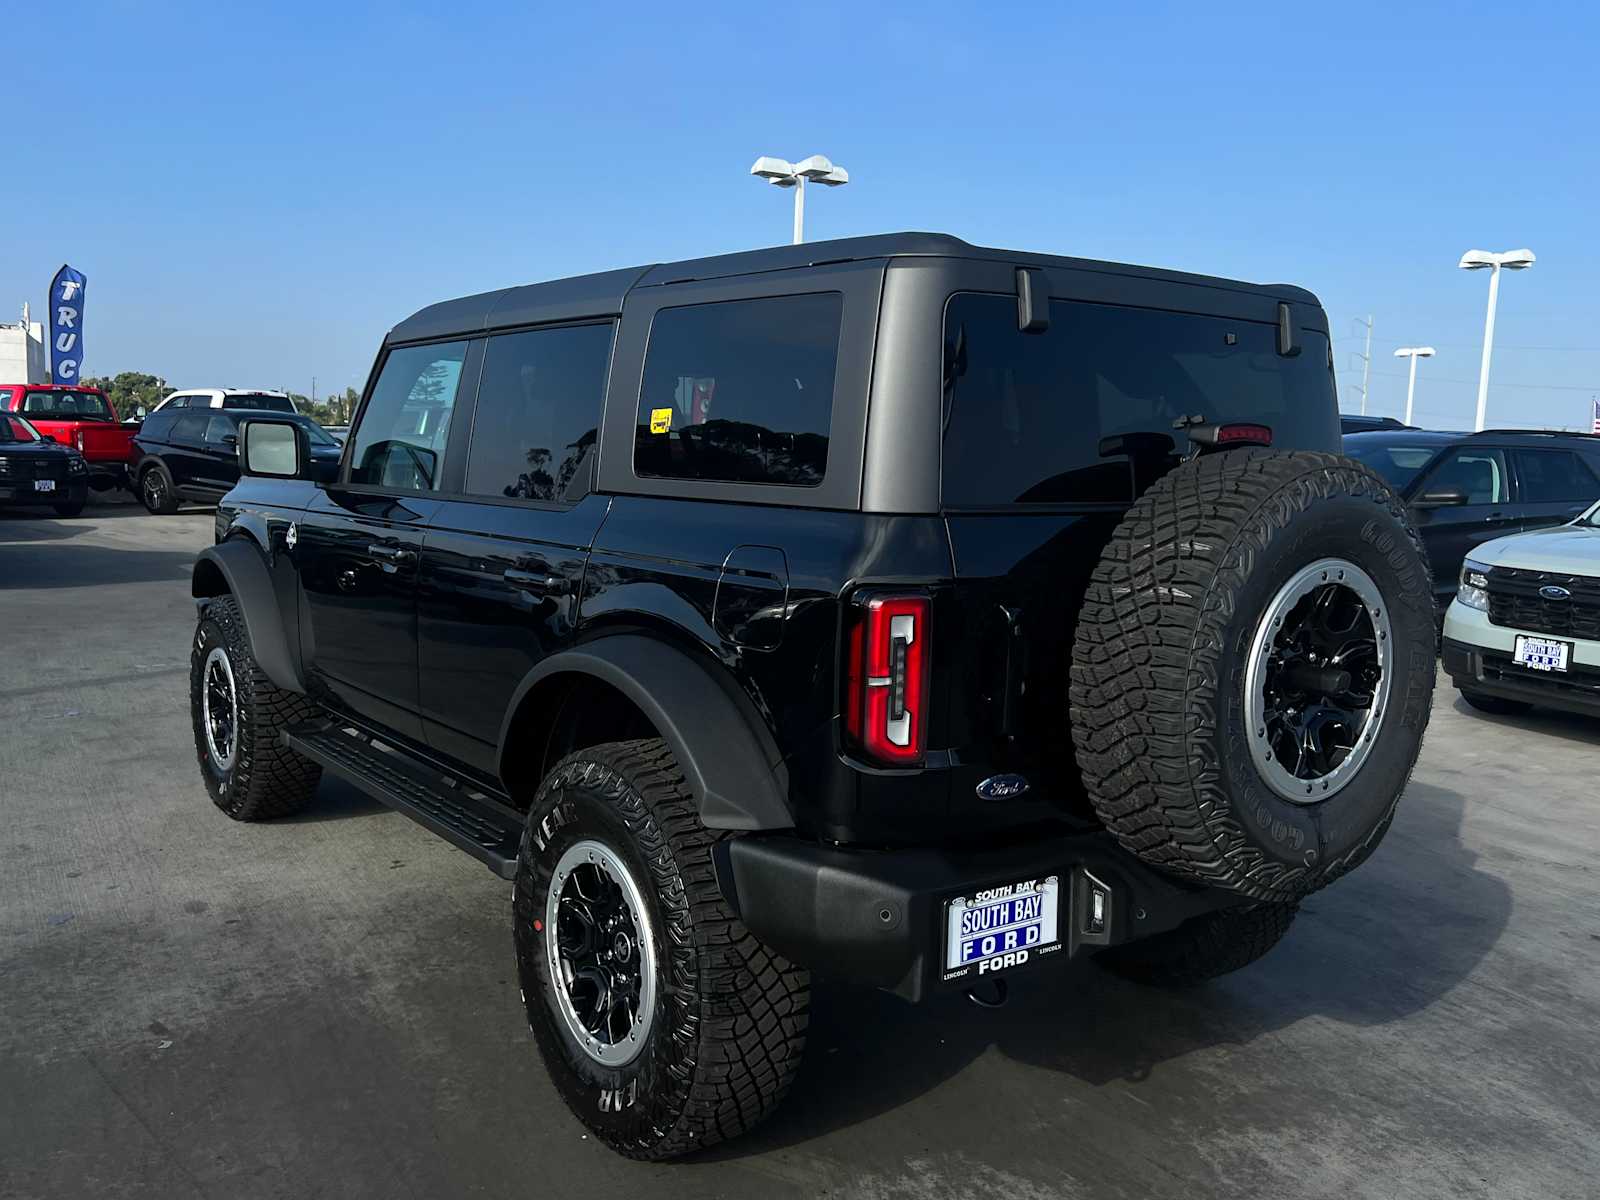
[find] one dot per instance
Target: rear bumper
(877, 917)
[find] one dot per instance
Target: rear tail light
(886, 701)
(79, 438)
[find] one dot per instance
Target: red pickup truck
(80, 417)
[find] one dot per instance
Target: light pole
(1413, 353)
(782, 173)
(1477, 260)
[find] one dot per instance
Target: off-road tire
(1160, 654)
(1203, 947)
(156, 491)
(266, 779)
(70, 509)
(727, 1031)
(1498, 706)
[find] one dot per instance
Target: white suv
(232, 398)
(1524, 628)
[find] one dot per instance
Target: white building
(22, 356)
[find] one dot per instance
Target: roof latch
(1033, 300)
(1287, 346)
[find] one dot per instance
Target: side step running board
(488, 831)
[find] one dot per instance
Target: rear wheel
(1203, 947)
(239, 718)
(156, 491)
(1497, 705)
(1253, 669)
(664, 1023)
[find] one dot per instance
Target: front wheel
(664, 1023)
(156, 492)
(239, 718)
(70, 509)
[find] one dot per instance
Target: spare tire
(1253, 669)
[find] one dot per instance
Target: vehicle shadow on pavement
(335, 800)
(27, 567)
(1544, 722)
(1347, 959)
(18, 527)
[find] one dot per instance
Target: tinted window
(157, 426)
(177, 402)
(6, 394)
(219, 427)
(1554, 477)
(1395, 461)
(67, 406)
(190, 427)
(538, 409)
(401, 439)
(15, 429)
(740, 391)
(1074, 413)
(1477, 472)
(259, 403)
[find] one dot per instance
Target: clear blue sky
(258, 192)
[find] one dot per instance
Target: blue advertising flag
(66, 325)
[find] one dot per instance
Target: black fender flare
(238, 567)
(730, 762)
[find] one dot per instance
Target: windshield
(1397, 462)
(68, 406)
(261, 403)
(15, 429)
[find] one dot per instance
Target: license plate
(1002, 927)
(1542, 654)
(44, 485)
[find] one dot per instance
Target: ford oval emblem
(1551, 592)
(1002, 787)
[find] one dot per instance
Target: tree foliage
(129, 389)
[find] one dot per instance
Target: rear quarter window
(740, 391)
(1084, 411)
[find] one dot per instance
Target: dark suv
(1464, 489)
(183, 453)
(895, 609)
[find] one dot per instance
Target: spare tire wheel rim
(601, 953)
(1317, 684)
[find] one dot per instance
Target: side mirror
(1440, 499)
(273, 449)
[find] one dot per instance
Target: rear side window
(740, 391)
(178, 402)
(400, 442)
(538, 411)
(219, 427)
(259, 403)
(1083, 412)
(1554, 477)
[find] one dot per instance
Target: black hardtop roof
(602, 294)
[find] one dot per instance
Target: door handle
(398, 555)
(550, 585)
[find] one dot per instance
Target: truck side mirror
(273, 449)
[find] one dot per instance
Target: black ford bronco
(893, 609)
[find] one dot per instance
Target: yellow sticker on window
(660, 420)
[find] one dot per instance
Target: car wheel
(664, 1023)
(70, 509)
(1253, 669)
(1498, 706)
(239, 718)
(156, 491)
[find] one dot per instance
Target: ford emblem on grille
(1002, 787)
(1551, 592)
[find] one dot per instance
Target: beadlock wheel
(219, 710)
(1317, 683)
(602, 953)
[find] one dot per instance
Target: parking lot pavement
(325, 1006)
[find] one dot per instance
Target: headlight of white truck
(1474, 589)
